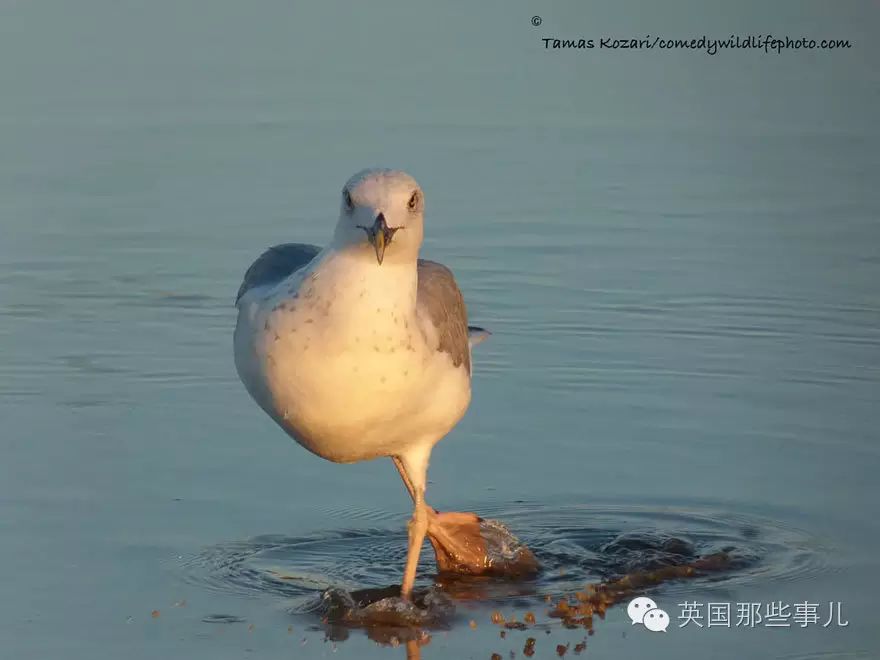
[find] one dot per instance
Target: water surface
(677, 255)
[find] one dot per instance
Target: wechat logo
(645, 611)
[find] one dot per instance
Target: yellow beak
(380, 235)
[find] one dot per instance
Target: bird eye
(413, 203)
(346, 199)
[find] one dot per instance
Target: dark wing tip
(477, 335)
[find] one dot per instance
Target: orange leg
(460, 542)
(413, 467)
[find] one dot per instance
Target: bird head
(381, 216)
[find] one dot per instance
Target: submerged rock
(384, 607)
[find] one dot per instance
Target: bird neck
(364, 282)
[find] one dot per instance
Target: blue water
(677, 255)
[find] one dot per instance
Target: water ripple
(576, 544)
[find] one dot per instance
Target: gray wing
(440, 298)
(275, 264)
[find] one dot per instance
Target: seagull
(362, 350)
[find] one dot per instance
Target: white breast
(338, 357)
